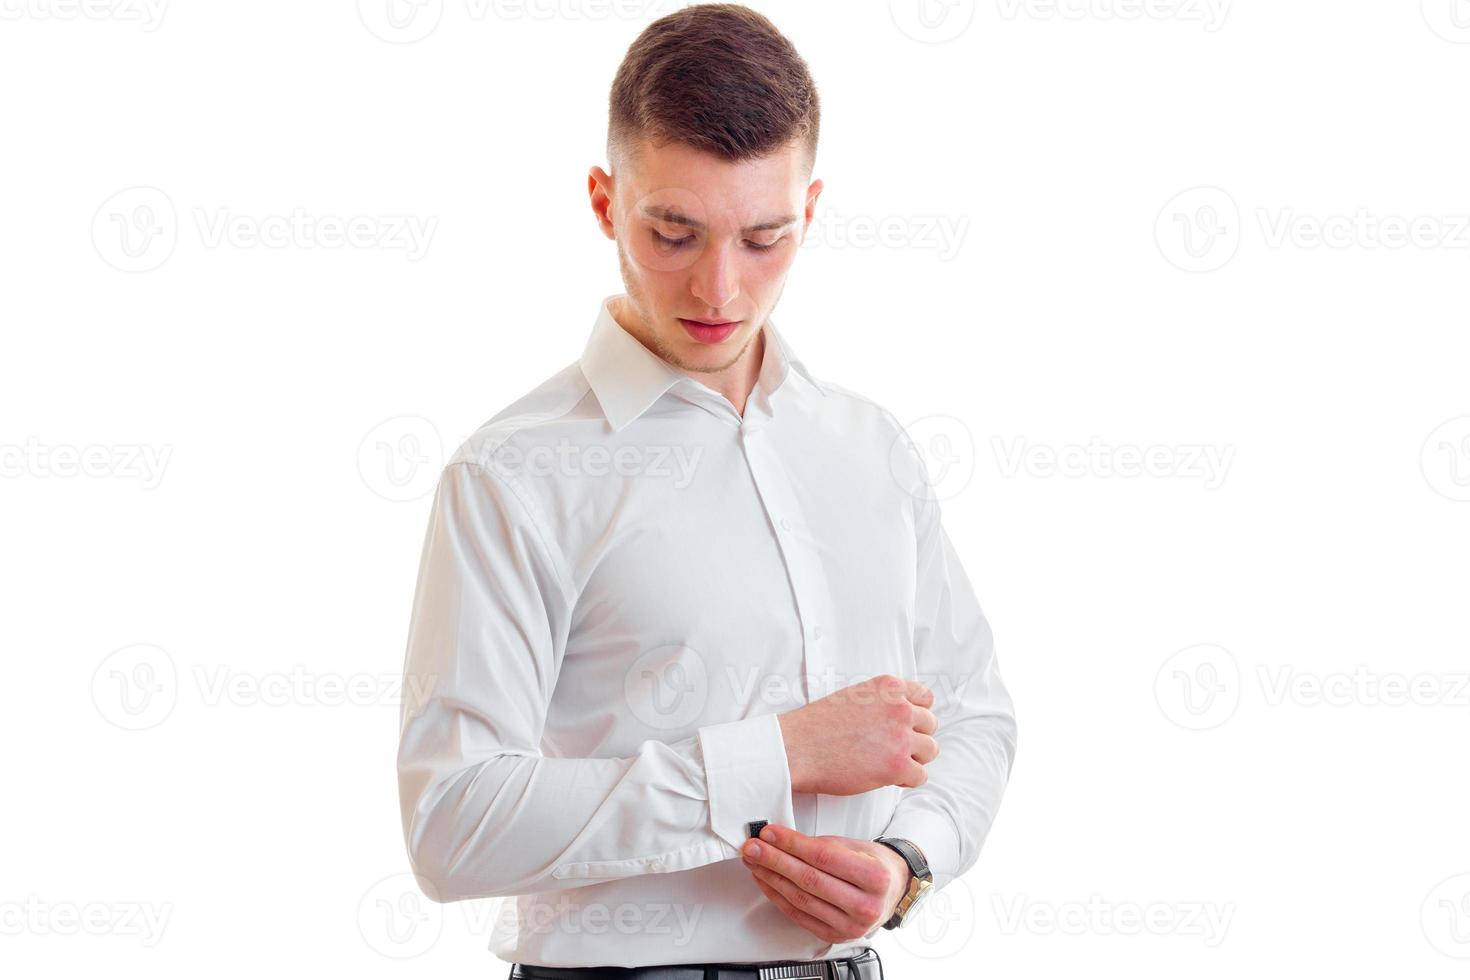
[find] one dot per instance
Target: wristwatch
(921, 880)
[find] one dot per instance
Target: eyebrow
(676, 218)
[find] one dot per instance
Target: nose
(714, 279)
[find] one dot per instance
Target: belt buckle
(816, 970)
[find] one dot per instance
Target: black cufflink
(755, 826)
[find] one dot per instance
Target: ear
(812, 193)
(600, 195)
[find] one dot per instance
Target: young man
(682, 589)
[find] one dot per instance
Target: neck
(735, 381)
(738, 380)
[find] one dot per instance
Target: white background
(1086, 234)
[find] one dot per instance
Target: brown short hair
(718, 77)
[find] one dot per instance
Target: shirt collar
(628, 377)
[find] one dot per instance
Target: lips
(709, 333)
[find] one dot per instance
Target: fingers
(806, 886)
(919, 694)
(924, 721)
(824, 905)
(914, 775)
(807, 921)
(922, 748)
(827, 853)
(825, 914)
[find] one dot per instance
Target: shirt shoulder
(856, 404)
(859, 414)
(553, 409)
(867, 423)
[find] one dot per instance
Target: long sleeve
(484, 813)
(950, 815)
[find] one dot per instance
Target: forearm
(796, 763)
(513, 824)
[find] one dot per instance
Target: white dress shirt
(624, 581)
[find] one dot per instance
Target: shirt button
(816, 632)
(655, 865)
(785, 524)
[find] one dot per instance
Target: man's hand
(875, 733)
(836, 888)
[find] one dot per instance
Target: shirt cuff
(934, 834)
(747, 776)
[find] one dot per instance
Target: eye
(671, 242)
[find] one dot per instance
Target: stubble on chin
(672, 356)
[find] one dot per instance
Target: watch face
(918, 902)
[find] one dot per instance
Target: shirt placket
(799, 555)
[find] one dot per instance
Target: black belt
(861, 966)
